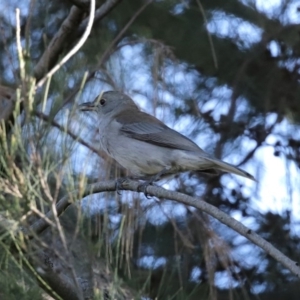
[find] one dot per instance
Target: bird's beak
(87, 106)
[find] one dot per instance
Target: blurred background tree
(224, 73)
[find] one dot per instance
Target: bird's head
(108, 102)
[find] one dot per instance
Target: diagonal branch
(57, 44)
(67, 34)
(159, 192)
(76, 48)
(74, 136)
(100, 13)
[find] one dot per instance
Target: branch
(100, 13)
(57, 44)
(59, 283)
(159, 192)
(74, 136)
(68, 32)
(121, 33)
(76, 48)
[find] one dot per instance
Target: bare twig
(121, 33)
(28, 23)
(42, 216)
(259, 142)
(214, 55)
(159, 192)
(74, 136)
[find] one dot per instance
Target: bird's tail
(223, 166)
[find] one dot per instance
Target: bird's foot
(119, 184)
(142, 188)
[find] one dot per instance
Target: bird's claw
(119, 185)
(142, 188)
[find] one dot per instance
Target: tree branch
(100, 13)
(159, 192)
(74, 136)
(61, 38)
(68, 32)
(59, 283)
(76, 48)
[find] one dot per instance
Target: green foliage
(14, 280)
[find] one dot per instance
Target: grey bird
(144, 145)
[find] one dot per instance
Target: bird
(146, 147)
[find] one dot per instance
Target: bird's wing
(141, 126)
(144, 127)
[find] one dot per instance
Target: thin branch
(259, 142)
(159, 192)
(42, 216)
(214, 55)
(74, 136)
(121, 33)
(249, 155)
(74, 49)
(101, 12)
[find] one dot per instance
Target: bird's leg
(143, 187)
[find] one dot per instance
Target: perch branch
(159, 192)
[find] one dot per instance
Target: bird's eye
(102, 102)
